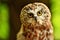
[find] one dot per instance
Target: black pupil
(31, 14)
(39, 12)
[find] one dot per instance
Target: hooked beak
(35, 19)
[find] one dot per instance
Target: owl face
(35, 12)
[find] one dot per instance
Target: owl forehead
(33, 8)
(38, 8)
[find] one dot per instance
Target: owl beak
(35, 19)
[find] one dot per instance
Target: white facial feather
(39, 18)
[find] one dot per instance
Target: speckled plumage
(35, 23)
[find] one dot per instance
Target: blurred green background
(55, 9)
(4, 19)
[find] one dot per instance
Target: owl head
(35, 12)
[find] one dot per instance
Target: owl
(35, 23)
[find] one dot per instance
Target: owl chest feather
(36, 32)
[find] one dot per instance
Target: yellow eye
(39, 13)
(30, 15)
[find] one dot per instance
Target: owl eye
(30, 15)
(39, 13)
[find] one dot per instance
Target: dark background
(15, 7)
